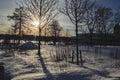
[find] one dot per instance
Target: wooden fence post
(81, 61)
(72, 56)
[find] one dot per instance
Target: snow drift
(28, 46)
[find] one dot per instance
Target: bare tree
(104, 16)
(55, 30)
(103, 22)
(90, 19)
(41, 10)
(75, 10)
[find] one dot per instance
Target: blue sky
(7, 7)
(114, 4)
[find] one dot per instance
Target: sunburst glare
(35, 23)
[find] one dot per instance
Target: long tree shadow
(49, 76)
(62, 76)
(103, 73)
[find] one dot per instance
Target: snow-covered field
(27, 65)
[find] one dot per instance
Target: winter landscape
(59, 40)
(27, 65)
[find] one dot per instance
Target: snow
(28, 46)
(27, 65)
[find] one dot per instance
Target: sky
(7, 7)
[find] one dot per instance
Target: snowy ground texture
(27, 65)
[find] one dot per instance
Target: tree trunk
(81, 60)
(20, 28)
(77, 46)
(77, 56)
(91, 39)
(39, 42)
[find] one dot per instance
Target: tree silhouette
(90, 19)
(55, 30)
(19, 20)
(43, 11)
(104, 16)
(75, 10)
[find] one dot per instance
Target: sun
(35, 23)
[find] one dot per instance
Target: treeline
(33, 38)
(85, 39)
(100, 39)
